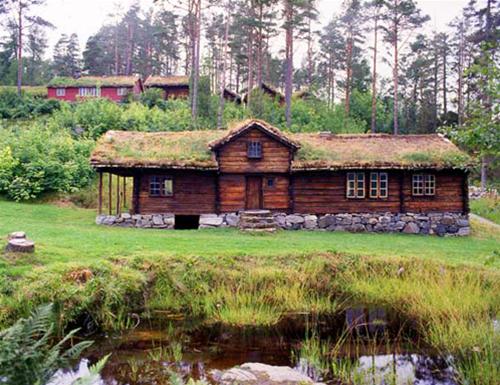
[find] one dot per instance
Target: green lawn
(70, 235)
(487, 207)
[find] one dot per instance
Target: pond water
(366, 343)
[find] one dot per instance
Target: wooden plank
(110, 192)
(99, 203)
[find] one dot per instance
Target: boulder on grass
(17, 235)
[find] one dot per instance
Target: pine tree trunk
(196, 60)
(349, 43)
(259, 46)
(395, 74)
(374, 77)
(289, 63)
(20, 49)
(435, 91)
(309, 55)
(250, 55)
(223, 74)
(445, 101)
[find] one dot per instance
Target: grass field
(69, 235)
(487, 207)
(447, 287)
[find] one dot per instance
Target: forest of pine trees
(239, 44)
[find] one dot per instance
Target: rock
(257, 373)
(463, 231)
(440, 230)
(126, 216)
(17, 235)
(109, 220)
(372, 221)
(294, 219)
(448, 220)
(210, 220)
(169, 220)
(326, 221)
(411, 228)
(357, 228)
(310, 222)
(20, 245)
(232, 220)
(157, 220)
(463, 223)
(400, 225)
(280, 220)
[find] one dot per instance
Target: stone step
(256, 213)
(257, 225)
(269, 230)
(256, 220)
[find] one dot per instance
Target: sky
(85, 17)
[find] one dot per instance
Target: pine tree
(401, 17)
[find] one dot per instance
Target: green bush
(41, 159)
(13, 106)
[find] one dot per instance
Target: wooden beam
(110, 192)
(99, 203)
(118, 208)
(124, 191)
(401, 192)
(465, 192)
(136, 187)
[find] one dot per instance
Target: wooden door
(253, 192)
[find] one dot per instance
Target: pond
(364, 346)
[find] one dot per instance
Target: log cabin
(115, 88)
(173, 86)
(354, 182)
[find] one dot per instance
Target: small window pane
(60, 91)
(254, 150)
(154, 186)
(351, 180)
(418, 184)
(270, 182)
(430, 185)
(168, 187)
(383, 190)
(360, 185)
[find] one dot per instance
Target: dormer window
(254, 150)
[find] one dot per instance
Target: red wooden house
(353, 182)
(115, 88)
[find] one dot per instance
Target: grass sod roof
(174, 80)
(191, 150)
(92, 81)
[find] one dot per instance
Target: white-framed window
(424, 184)
(122, 91)
(161, 186)
(379, 182)
(60, 91)
(89, 91)
(355, 185)
(254, 149)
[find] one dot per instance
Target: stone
(372, 221)
(256, 373)
(310, 222)
(422, 218)
(294, 219)
(463, 231)
(452, 229)
(326, 221)
(448, 220)
(157, 220)
(386, 219)
(169, 220)
(406, 218)
(440, 230)
(400, 225)
(109, 220)
(17, 235)
(210, 220)
(357, 228)
(99, 220)
(20, 245)
(411, 228)
(463, 223)
(280, 220)
(232, 219)
(136, 217)
(126, 216)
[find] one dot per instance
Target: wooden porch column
(110, 193)
(401, 192)
(124, 191)
(118, 208)
(99, 203)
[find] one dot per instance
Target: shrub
(40, 159)
(13, 106)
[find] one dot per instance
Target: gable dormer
(254, 147)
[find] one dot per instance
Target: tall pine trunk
(395, 74)
(374, 76)
(195, 71)
(348, 80)
(20, 48)
(445, 101)
(259, 45)
(289, 62)
(224, 69)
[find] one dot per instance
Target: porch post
(124, 191)
(118, 208)
(110, 194)
(99, 203)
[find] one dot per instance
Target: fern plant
(27, 352)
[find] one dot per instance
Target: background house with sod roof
(115, 88)
(362, 182)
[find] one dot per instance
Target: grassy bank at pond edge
(448, 287)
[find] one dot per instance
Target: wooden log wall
(275, 155)
(194, 193)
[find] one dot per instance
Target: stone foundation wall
(433, 223)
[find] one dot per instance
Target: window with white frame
(89, 91)
(122, 91)
(424, 184)
(161, 186)
(60, 91)
(379, 185)
(355, 185)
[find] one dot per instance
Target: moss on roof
(92, 81)
(174, 80)
(191, 150)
